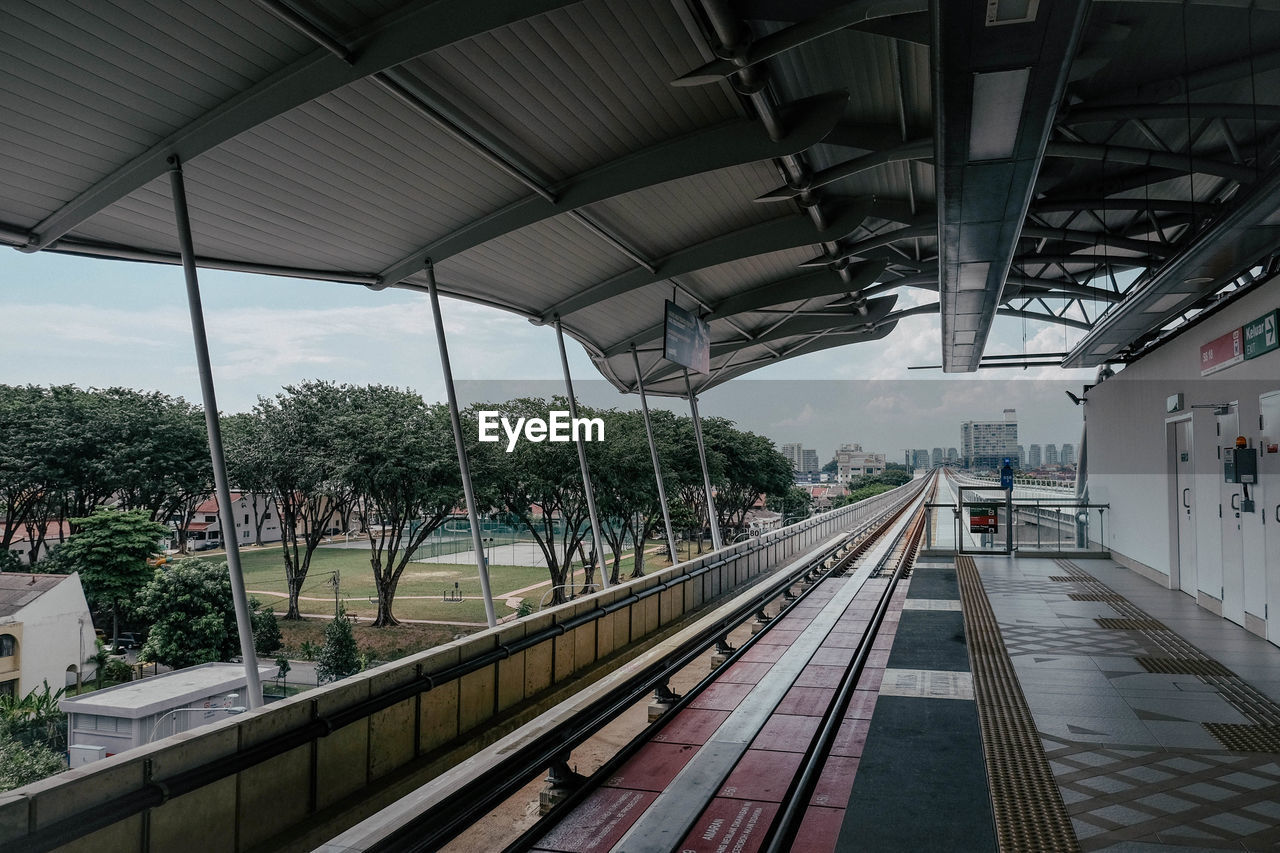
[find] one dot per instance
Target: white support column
(464, 467)
(657, 465)
(716, 542)
(582, 463)
(244, 621)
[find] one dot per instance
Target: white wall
(51, 635)
(1128, 453)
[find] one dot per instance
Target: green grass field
(420, 594)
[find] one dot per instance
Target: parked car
(130, 640)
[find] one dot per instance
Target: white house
(46, 632)
(248, 508)
(105, 722)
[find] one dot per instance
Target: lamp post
(229, 709)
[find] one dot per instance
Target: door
(1184, 506)
(1230, 495)
(1268, 502)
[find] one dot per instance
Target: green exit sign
(1260, 335)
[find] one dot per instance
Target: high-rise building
(1068, 454)
(1051, 454)
(986, 444)
(920, 459)
(793, 451)
(1022, 456)
(937, 457)
(953, 456)
(1033, 456)
(853, 461)
(803, 460)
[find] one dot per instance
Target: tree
(794, 501)
(539, 484)
(266, 631)
(339, 656)
(244, 440)
(22, 466)
(110, 552)
(832, 468)
(626, 493)
(752, 467)
(192, 615)
(21, 764)
(398, 460)
(291, 447)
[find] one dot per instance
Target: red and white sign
(1221, 353)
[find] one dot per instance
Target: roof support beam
(777, 235)
(829, 339)
(729, 144)
(997, 87)
(1236, 240)
(844, 15)
(814, 285)
(418, 27)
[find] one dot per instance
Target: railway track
(760, 748)
(776, 711)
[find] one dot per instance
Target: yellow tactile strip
(1029, 812)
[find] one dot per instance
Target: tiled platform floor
(1137, 767)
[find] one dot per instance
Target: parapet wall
(342, 751)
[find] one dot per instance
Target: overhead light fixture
(1165, 303)
(998, 97)
(974, 276)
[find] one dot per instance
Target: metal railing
(1038, 525)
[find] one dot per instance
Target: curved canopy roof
(783, 167)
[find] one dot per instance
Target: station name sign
(1222, 352)
(1255, 338)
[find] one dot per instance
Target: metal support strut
(464, 467)
(657, 465)
(714, 522)
(244, 622)
(582, 461)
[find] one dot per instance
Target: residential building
(46, 632)
(105, 722)
(853, 461)
(920, 459)
(1022, 457)
(32, 551)
(793, 451)
(1051, 454)
(953, 456)
(1068, 455)
(249, 509)
(937, 457)
(986, 444)
(804, 460)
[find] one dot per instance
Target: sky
(100, 323)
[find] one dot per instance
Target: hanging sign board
(1260, 335)
(687, 340)
(1222, 352)
(983, 519)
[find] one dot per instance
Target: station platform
(1102, 712)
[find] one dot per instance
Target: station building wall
(1134, 454)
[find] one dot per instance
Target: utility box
(82, 754)
(1240, 465)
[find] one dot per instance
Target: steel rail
(875, 528)
(467, 804)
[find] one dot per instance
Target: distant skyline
(98, 323)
